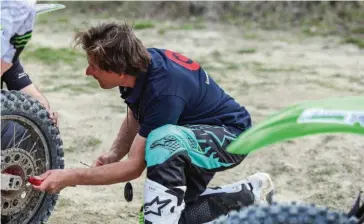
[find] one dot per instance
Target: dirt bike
(34, 147)
(336, 115)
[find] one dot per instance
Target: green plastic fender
(342, 114)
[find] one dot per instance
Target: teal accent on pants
(164, 142)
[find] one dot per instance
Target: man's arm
(132, 168)
(126, 170)
(113, 173)
(126, 135)
(122, 143)
(54, 181)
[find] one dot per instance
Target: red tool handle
(35, 181)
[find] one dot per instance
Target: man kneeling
(178, 126)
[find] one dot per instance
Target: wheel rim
(26, 154)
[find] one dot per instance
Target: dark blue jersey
(176, 90)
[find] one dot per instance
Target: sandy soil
(264, 70)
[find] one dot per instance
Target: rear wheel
(31, 145)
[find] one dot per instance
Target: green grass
(63, 19)
(216, 54)
(354, 40)
(358, 30)
(209, 67)
(143, 24)
(260, 67)
(250, 36)
(79, 88)
(70, 149)
(265, 69)
(356, 79)
(42, 20)
(192, 26)
(329, 85)
(348, 168)
(92, 142)
(246, 51)
(76, 83)
(222, 66)
(92, 83)
(162, 31)
(255, 64)
(232, 66)
(54, 56)
(184, 26)
(118, 108)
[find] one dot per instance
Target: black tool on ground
(128, 192)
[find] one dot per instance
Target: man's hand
(106, 158)
(117, 172)
(54, 181)
(53, 116)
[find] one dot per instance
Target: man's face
(107, 80)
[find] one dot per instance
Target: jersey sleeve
(15, 78)
(17, 21)
(161, 111)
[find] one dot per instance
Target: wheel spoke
(12, 138)
(31, 150)
(22, 138)
(14, 134)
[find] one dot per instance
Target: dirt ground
(264, 70)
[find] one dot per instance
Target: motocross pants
(181, 161)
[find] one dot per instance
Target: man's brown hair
(114, 47)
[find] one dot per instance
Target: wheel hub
(16, 161)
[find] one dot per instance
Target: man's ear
(122, 77)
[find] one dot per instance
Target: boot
(214, 202)
(161, 204)
(260, 184)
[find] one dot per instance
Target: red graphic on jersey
(182, 60)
